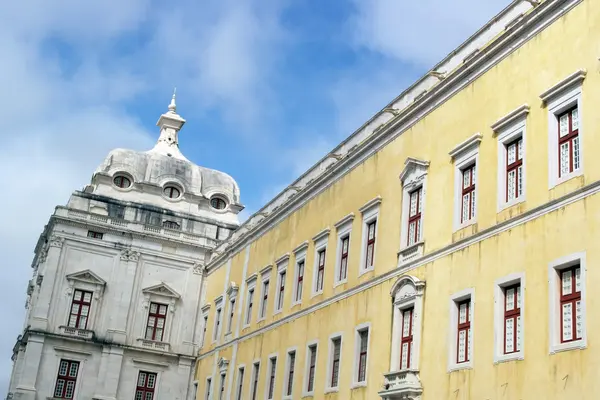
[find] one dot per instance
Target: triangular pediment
(413, 164)
(162, 289)
(86, 276)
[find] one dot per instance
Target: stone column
(109, 373)
(116, 329)
(47, 275)
(26, 386)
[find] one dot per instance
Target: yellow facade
(549, 224)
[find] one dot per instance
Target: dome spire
(169, 123)
(173, 106)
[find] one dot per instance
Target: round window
(172, 192)
(218, 203)
(122, 181)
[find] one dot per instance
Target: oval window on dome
(218, 203)
(122, 182)
(172, 192)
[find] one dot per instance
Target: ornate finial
(172, 106)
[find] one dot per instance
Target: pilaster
(26, 386)
(109, 373)
(46, 279)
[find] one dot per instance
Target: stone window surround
(320, 241)
(205, 312)
(289, 350)
(499, 299)
(239, 381)
(465, 294)
(554, 302)
(160, 294)
(282, 264)
(309, 344)
(330, 349)
(463, 156)
(232, 292)
(90, 282)
(62, 353)
(370, 213)
(343, 228)
(413, 177)
(355, 363)
(270, 358)
(250, 286)
(265, 275)
(299, 256)
(218, 322)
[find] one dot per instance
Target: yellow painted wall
(568, 45)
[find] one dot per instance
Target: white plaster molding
(455, 299)
(63, 349)
(301, 248)
(466, 146)
(321, 235)
(288, 351)
(205, 308)
(251, 278)
(161, 289)
(412, 164)
(282, 259)
(232, 290)
(150, 362)
(499, 301)
(330, 350)
(357, 330)
(344, 221)
(370, 204)
(266, 271)
(305, 391)
(512, 117)
(575, 79)
(506, 135)
(130, 255)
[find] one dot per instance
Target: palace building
(439, 252)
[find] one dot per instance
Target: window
(370, 244)
(218, 203)
(320, 240)
(570, 304)
(264, 299)
(255, 372)
(336, 349)
(66, 379)
(272, 371)
(568, 142)
(250, 304)
(514, 170)
(80, 309)
(95, 235)
(122, 182)
(465, 158)
(208, 388)
(512, 319)
(231, 314)
(312, 363)
(222, 389)
(240, 384)
(172, 192)
(508, 318)
(363, 345)
(320, 270)
(156, 322)
(299, 281)
(407, 338)
(344, 228)
(204, 328)
(280, 291)
(145, 386)
(461, 333)
(370, 212)
(468, 204)
(171, 225)
(343, 270)
(217, 324)
(414, 217)
(290, 374)
(463, 353)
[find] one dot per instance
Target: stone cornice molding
(56, 241)
(370, 204)
(321, 235)
(509, 119)
(301, 248)
(411, 164)
(345, 220)
(575, 79)
(465, 146)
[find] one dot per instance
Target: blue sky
(267, 86)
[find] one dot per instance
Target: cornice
(345, 220)
(251, 278)
(370, 204)
(324, 233)
(266, 270)
(301, 247)
(468, 144)
(412, 163)
(575, 79)
(284, 258)
(515, 115)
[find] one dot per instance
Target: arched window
(172, 192)
(122, 182)
(171, 225)
(218, 203)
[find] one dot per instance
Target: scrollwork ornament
(56, 241)
(130, 255)
(197, 269)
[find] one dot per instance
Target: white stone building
(114, 305)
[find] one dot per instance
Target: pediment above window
(407, 287)
(414, 171)
(162, 289)
(232, 290)
(222, 364)
(86, 276)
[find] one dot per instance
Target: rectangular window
(568, 142)
(255, 372)
(407, 338)
(222, 389)
(512, 319)
(240, 383)
(204, 329)
(463, 349)
(299, 281)
(80, 309)
(281, 290)
(208, 388)
(249, 309)
(343, 273)
(570, 304)
(217, 324)
(231, 314)
(290, 377)
(146, 384)
(514, 169)
(272, 372)
(320, 270)
(335, 361)
(264, 300)
(312, 357)
(414, 216)
(363, 337)
(155, 326)
(370, 250)
(66, 379)
(95, 235)
(468, 204)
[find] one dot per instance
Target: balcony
(153, 344)
(76, 332)
(404, 385)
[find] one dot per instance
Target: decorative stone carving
(130, 255)
(43, 255)
(197, 269)
(223, 364)
(56, 241)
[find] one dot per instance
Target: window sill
(465, 224)
(308, 394)
(153, 344)
(461, 366)
(508, 204)
(339, 283)
(77, 332)
(296, 303)
(366, 270)
(559, 180)
(358, 385)
(332, 390)
(277, 312)
(411, 252)
(315, 294)
(575, 345)
(509, 357)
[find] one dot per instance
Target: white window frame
(357, 330)
(300, 256)
(265, 276)
(463, 156)
(270, 358)
(255, 372)
(232, 292)
(250, 286)
(455, 299)
(407, 293)
(208, 388)
(239, 380)
(286, 376)
(343, 228)
(320, 241)
(370, 213)
(499, 301)
(559, 98)
(82, 359)
(205, 314)
(554, 268)
(87, 281)
(305, 392)
(507, 130)
(282, 264)
(222, 385)
(330, 349)
(218, 323)
(413, 178)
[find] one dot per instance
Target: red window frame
(300, 281)
(514, 314)
(362, 356)
(406, 337)
(290, 382)
(370, 250)
(569, 139)
(468, 190)
(146, 384)
(281, 293)
(414, 216)
(80, 309)
(155, 324)
(66, 379)
(172, 192)
(95, 235)
(122, 182)
(335, 365)
(516, 166)
(250, 304)
(272, 378)
(311, 368)
(569, 300)
(265, 299)
(463, 326)
(345, 243)
(321, 270)
(255, 380)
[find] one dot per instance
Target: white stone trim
(208, 388)
(499, 296)
(564, 95)
(286, 371)
(320, 241)
(270, 358)
(370, 213)
(407, 293)
(282, 259)
(218, 322)
(71, 356)
(300, 256)
(413, 177)
(250, 288)
(463, 156)
(343, 229)
(452, 329)
(554, 301)
(513, 128)
(264, 279)
(319, 236)
(344, 221)
(239, 382)
(281, 268)
(301, 248)
(515, 116)
(328, 387)
(360, 328)
(255, 371)
(230, 315)
(305, 391)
